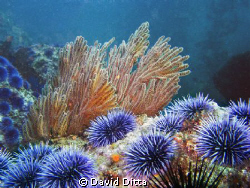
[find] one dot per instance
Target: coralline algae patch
(15, 100)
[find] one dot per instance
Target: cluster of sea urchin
(14, 102)
(43, 166)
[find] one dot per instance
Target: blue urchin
(240, 110)
(65, 168)
(105, 130)
(5, 93)
(16, 81)
(37, 152)
(12, 71)
(17, 102)
(4, 61)
(5, 162)
(149, 154)
(6, 122)
(3, 74)
(169, 122)
(4, 108)
(11, 136)
(22, 174)
(190, 106)
(225, 142)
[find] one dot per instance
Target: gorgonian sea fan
(225, 142)
(190, 106)
(65, 168)
(105, 130)
(240, 110)
(149, 154)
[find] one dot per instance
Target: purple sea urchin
(149, 154)
(105, 130)
(6, 123)
(190, 106)
(11, 136)
(4, 61)
(240, 110)
(5, 161)
(37, 152)
(3, 74)
(22, 174)
(225, 142)
(5, 93)
(65, 168)
(169, 122)
(17, 102)
(4, 107)
(12, 71)
(16, 81)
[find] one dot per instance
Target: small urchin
(223, 141)
(169, 122)
(240, 110)
(190, 106)
(105, 130)
(65, 168)
(149, 154)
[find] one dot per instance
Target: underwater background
(211, 32)
(41, 116)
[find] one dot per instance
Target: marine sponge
(226, 142)
(65, 168)
(149, 154)
(11, 136)
(16, 81)
(17, 102)
(240, 110)
(4, 108)
(5, 123)
(5, 93)
(190, 106)
(4, 61)
(22, 174)
(3, 74)
(169, 123)
(37, 152)
(5, 161)
(105, 130)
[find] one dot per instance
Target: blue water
(211, 32)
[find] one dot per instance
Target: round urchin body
(105, 130)
(169, 123)
(149, 154)
(225, 142)
(190, 106)
(240, 110)
(65, 168)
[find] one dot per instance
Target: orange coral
(87, 86)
